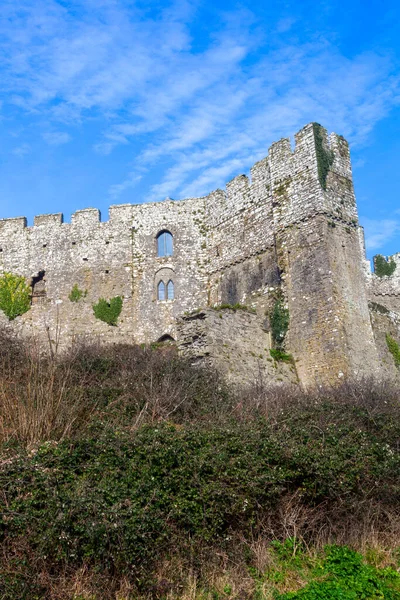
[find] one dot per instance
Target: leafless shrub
(45, 396)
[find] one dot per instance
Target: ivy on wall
(15, 295)
(324, 156)
(383, 267)
(394, 349)
(108, 311)
(279, 321)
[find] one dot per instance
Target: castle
(291, 229)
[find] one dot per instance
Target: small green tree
(279, 320)
(76, 294)
(108, 311)
(15, 295)
(383, 267)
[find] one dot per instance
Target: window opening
(170, 290)
(161, 291)
(38, 284)
(164, 244)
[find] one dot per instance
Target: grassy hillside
(127, 473)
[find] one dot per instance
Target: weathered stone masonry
(292, 226)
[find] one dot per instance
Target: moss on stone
(324, 156)
(394, 349)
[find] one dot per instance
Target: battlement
(318, 161)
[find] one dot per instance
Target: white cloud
(22, 150)
(56, 138)
(116, 190)
(203, 111)
(379, 232)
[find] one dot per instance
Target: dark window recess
(106, 271)
(44, 245)
(164, 244)
(1, 249)
(38, 285)
(166, 339)
(74, 243)
(107, 242)
(85, 259)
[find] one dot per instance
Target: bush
(15, 295)
(383, 267)
(122, 467)
(108, 311)
(346, 576)
(281, 356)
(76, 294)
(44, 398)
(120, 501)
(279, 320)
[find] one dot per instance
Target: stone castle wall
(291, 226)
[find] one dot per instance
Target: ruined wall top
(315, 161)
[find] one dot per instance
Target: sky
(115, 101)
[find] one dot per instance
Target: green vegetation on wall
(279, 320)
(108, 311)
(324, 156)
(280, 355)
(15, 295)
(394, 349)
(76, 294)
(383, 267)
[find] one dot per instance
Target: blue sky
(112, 101)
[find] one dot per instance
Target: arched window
(161, 291)
(164, 244)
(170, 290)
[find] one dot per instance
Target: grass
(127, 473)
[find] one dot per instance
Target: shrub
(76, 294)
(14, 295)
(108, 311)
(280, 356)
(394, 349)
(119, 502)
(383, 267)
(46, 398)
(346, 576)
(140, 458)
(279, 320)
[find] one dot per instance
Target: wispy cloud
(380, 232)
(201, 110)
(21, 150)
(56, 138)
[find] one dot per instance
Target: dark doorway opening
(38, 285)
